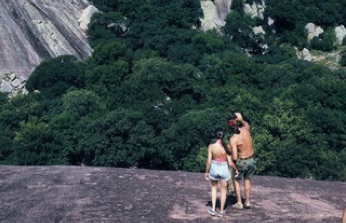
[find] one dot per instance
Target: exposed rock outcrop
(215, 13)
(340, 33)
(255, 9)
(34, 30)
(84, 19)
(89, 194)
(12, 84)
(313, 30)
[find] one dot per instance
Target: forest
(155, 88)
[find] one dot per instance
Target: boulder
(215, 13)
(84, 19)
(313, 30)
(340, 33)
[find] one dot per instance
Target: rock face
(33, 30)
(340, 33)
(313, 30)
(88, 194)
(215, 13)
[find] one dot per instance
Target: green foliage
(55, 76)
(276, 54)
(110, 51)
(82, 102)
(239, 28)
(291, 17)
(238, 5)
(158, 84)
(189, 133)
(210, 42)
(325, 42)
(106, 26)
(33, 145)
(343, 59)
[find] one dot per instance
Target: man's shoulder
(233, 137)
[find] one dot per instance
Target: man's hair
(233, 123)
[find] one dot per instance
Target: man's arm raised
(240, 118)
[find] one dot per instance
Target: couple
(240, 159)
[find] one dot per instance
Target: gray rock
(34, 30)
(340, 33)
(89, 194)
(6, 86)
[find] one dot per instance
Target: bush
(343, 59)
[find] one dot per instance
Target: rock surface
(33, 30)
(90, 194)
(214, 13)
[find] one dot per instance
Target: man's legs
(223, 195)
(247, 188)
(239, 204)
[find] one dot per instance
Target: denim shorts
(219, 171)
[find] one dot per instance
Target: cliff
(90, 194)
(34, 30)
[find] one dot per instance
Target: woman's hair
(219, 133)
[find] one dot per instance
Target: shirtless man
(243, 157)
(217, 170)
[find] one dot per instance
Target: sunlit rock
(84, 19)
(340, 33)
(313, 30)
(31, 31)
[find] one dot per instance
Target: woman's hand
(206, 176)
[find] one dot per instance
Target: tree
(106, 26)
(108, 52)
(34, 145)
(325, 42)
(189, 133)
(343, 59)
(55, 76)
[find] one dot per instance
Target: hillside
(89, 194)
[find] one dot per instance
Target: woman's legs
(213, 194)
(223, 194)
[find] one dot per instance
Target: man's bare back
(242, 142)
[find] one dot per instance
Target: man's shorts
(219, 171)
(246, 168)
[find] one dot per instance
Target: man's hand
(236, 173)
(239, 116)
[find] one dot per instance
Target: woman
(217, 170)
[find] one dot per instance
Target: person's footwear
(247, 205)
(221, 213)
(238, 206)
(211, 212)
